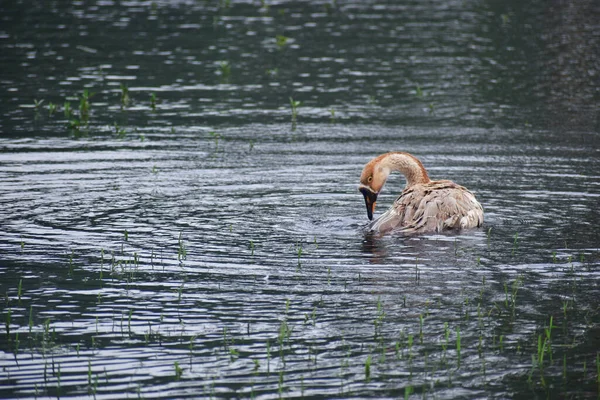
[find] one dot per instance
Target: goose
(424, 206)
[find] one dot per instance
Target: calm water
(208, 244)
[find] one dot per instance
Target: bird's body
(424, 205)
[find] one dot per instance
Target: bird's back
(436, 206)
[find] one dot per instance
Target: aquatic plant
(216, 137)
(84, 104)
(419, 91)
(368, 368)
(408, 390)
(510, 300)
(281, 41)
(74, 126)
(178, 371)
(125, 99)
(399, 345)
(446, 340)
(92, 386)
(313, 316)
(67, 109)
(280, 384)
(458, 345)
(294, 104)
(51, 109)
(233, 354)
(598, 370)
(153, 101)
(224, 69)
(19, 290)
(37, 104)
(58, 382)
(119, 131)
(284, 333)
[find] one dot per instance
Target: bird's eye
(369, 179)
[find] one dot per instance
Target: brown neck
(406, 164)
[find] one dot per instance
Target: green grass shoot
(281, 41)
(294, 104)
(178, 371)
(67, 110)
(51, 109)
(125, 99)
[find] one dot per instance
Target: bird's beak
(370, 200)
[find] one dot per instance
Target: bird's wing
(432, 207)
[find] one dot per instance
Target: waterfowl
(424, 205)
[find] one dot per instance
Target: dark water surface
(209, 244)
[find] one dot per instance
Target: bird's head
(372, 179)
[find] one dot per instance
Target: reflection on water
(195, 245)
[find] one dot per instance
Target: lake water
(184, 231)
